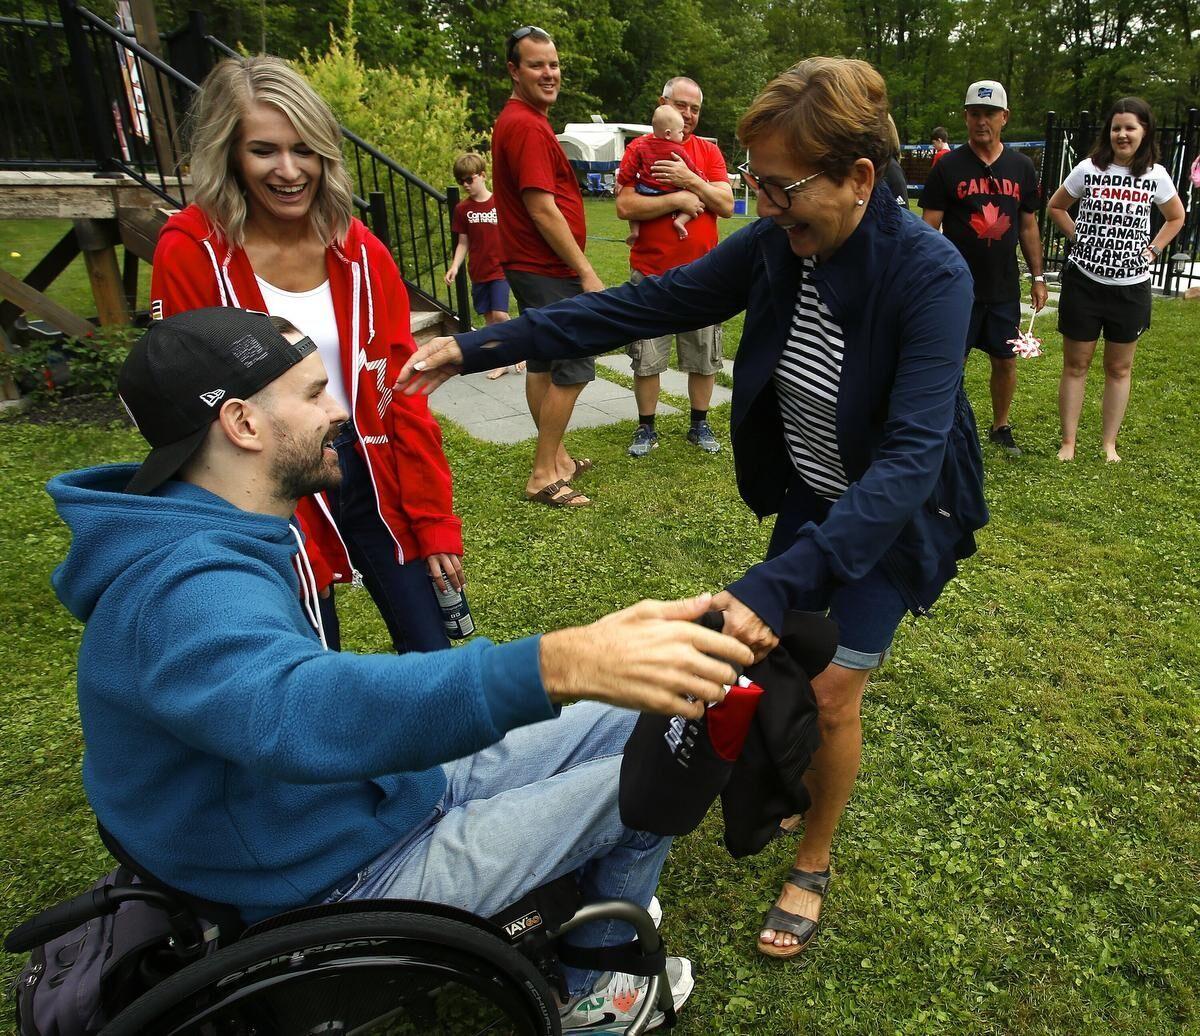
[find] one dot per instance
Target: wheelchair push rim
(367, 974)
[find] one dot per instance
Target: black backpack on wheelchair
(134, 957)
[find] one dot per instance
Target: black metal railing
(133, 102)
(40, 117)
(78, 93)
(1068, 143)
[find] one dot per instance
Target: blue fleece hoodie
(225, 748)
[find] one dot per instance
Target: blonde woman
(272, 230)
(849, 418)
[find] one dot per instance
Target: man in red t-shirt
(704, 193)
(542, 235)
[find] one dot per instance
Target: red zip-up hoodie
(194, 267)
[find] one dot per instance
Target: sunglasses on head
(517, 35)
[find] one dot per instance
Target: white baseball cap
(987, 93)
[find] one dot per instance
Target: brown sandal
(548, 495)
(779, 920)
(581, 467)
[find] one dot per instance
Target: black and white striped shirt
(806, 382)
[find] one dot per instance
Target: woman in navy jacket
(849, 417)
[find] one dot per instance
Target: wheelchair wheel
(357, 974)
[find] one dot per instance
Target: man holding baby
(698, 186)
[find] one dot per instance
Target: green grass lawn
(1022, 854)
(24, 242)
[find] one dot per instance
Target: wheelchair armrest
(62, 917)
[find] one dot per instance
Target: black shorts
(992, 325)
(1088, 309)
(532, 291)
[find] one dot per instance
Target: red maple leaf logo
(991, 224)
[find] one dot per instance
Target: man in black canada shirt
(984, 196)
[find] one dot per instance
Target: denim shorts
(867, 611)
(490, 296)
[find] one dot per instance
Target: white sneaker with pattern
(616, 998)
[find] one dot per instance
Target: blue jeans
(539, 804)
(402, 593)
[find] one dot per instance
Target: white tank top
(312, 312)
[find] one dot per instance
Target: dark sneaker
(700, 434)
(616, 999)
(1003, 437)
(644, 440)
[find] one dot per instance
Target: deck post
(98, 239)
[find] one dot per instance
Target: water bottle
(456, 614)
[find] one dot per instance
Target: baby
(665, 144)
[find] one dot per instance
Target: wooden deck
(74, 195)
(105, 210)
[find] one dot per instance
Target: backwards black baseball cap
(183, 368)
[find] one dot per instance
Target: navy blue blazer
(902, 296)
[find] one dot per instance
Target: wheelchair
(360, 968)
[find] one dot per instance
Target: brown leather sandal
(581, 467)
(549, 495)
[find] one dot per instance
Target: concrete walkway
(1051, 307)
(495, 411)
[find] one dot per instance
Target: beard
(301, 470)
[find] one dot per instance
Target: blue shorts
(641, 187)
(490, 296)
(867, 611)
(992, 325)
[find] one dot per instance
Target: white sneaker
(616, 998)
(655, 911)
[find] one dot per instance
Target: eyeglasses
(517, 35)
(467, 180)
(780, 197)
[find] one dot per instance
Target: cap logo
(984, 91)
(214, 397)
(249, 351)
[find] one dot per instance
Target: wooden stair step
(140, 228)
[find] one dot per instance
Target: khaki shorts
(700, 351)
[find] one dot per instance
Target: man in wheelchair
(240, 761)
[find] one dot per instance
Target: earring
(860, 202)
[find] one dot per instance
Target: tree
(420, 120)
(1062, 54)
